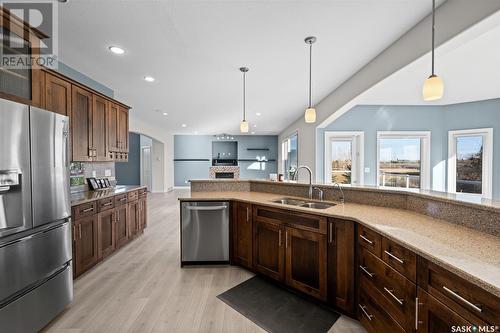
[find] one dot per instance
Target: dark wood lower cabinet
(242, 234)
(306, 261)
(86, 247)
(341, 269)
(433, 316)
(142, 214)
(121, 225)
(133, 218)
(269, 250)
(106, 233)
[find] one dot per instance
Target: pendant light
(310, 114)
(433, 86)
(244, 123)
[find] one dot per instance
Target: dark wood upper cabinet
(57, 95)
(112, 120)
(86, 243)
(341, 270)
(306, 261)
(434, 316)
(242, 234)
(122, 228)
(122, 129)
(99, 128)
(81, 124)
(269, 249)
(106, 233)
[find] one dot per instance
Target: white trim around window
(358, 150)
(425, 152)
(487, 172)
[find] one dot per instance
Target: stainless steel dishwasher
(204, 232)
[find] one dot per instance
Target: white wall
(453, 17)
(158, 166)
(139, 126)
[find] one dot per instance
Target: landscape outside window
(400, 162)
(341, 161)
(469, 164)
(290, 157)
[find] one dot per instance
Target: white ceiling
(194, 50)
(469, 65)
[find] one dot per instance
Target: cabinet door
(122, 228)
(99, 128)
(112, 127)
(122, 129)
(242, 234)
(106, 233)
(142, 214)
(133, 218)
(269, 249)
(306, 261)
(57, 95)
(81, 124)
(86, 247)
(433, 316)
(341, 271)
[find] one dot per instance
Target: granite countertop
(468, 253)
(88, 196)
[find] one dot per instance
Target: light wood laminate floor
(142, 288)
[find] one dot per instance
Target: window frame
(284, 157)
(358, 138)
(487, 172)
(425, 154)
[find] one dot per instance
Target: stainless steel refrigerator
(36, 281)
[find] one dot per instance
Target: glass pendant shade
(244, 126)
(433, 88)
(310, 115)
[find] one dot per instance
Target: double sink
(306, 204)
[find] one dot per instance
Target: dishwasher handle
(206, 207)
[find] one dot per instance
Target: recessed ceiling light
(254, 125)
(253, 132)
(149, 78)
(165, 114)
(62, 1)
(184, 125)
(116, 50)
(258, 114)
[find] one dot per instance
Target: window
(470, 158)
(289, 156)
(403, 159)
(344, 157)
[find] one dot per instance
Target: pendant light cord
(310, 75)
(244, 99)
(433, 31)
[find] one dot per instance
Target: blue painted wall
(200, 147)
(437, 119)
(129, 173)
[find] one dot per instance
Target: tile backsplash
(80, 171)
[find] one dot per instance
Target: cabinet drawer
(143, 193)
(295, 219)
(399, 258)
(370, 240)
(120, 199)
(394, 293)
(133, 195)
(373, 317)
(105, 204)
(86, 209)
(468, 300)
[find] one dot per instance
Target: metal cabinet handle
(247, 215)
(457, 296)
(366, 271)
(123, 199)
(80, 231)
(88, 210)
(363, 308)
(279, 238)
(416, 313)
(394, 257)
(330, 239)
(366, 239)
(390, 292)
(107, 204)
(286, 239)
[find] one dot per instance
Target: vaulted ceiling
(194, 49)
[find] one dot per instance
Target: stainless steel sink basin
(307, 204)
(289, 201)
(317, 205)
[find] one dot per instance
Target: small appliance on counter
(98, 183)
